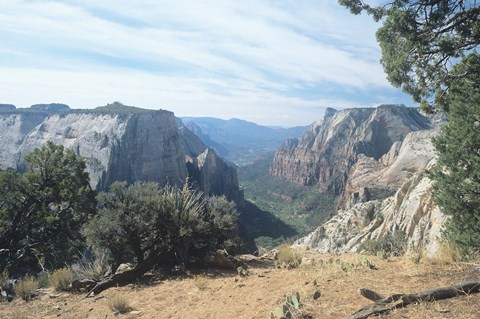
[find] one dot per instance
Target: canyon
(375, 161)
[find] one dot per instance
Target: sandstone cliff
(117, 146)
(325, 155)
(385, 195)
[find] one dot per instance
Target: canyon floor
(218, 294)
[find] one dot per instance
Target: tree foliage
(457, 175)
(141, 220)
(421, 41)
(43, 210)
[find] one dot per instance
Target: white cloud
(217, 57)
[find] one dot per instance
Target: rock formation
(133, 145)
(381, 190)
(325, 154)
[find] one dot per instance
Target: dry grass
(265, 289)
(201, 282)
(288, 257)
(26, 288)
(447, 254)
(18, 315)
(119, 304)
(61, 279)
(94, 269)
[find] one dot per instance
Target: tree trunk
(402, 300)
(129, 276)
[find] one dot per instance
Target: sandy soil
(217, 294)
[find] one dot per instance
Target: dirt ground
(218, 294)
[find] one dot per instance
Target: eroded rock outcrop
(215, 176)
(326, 154)
(387, 195)
(410, 211)
(117, 146)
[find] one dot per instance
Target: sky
(272, 62)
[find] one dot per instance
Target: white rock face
(93, 136)
(410, 209)
(141, 146)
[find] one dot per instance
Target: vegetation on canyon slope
(46, 212)
(429, 48)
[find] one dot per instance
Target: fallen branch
(128, 276)
(402, 300)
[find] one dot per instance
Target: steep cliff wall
(325, 154)
(410, 208)
(123, 146)
(215, 176)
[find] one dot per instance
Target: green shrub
(389, 245)
(26, 287)
(4, 277)
(42, 278)
(141, 220)
(61, 279)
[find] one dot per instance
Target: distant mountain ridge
(237, 140)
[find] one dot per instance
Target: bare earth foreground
(222, 294)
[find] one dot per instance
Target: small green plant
(26, 287)
(119, 304)
(384, 247)
(288, 257)
(364, 262)
(61, 279)
(290, 309)
(4, 277)
(42, 278)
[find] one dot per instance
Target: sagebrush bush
(179, 222)
(95, 268)
(4, 277)
(61, 279)
(448, 253)
(389, 245)
(288, 257)
(26, 287)
(119, 304)
(42, 278)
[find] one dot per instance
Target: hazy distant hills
(240, 141)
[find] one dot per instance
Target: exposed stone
(325, 154)
(386, 194)
(215, 176)
(411, 210)
(135, 146)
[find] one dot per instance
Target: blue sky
(276, 62)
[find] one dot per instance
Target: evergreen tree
(42, 212)
(420, 42)
(457, 175)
